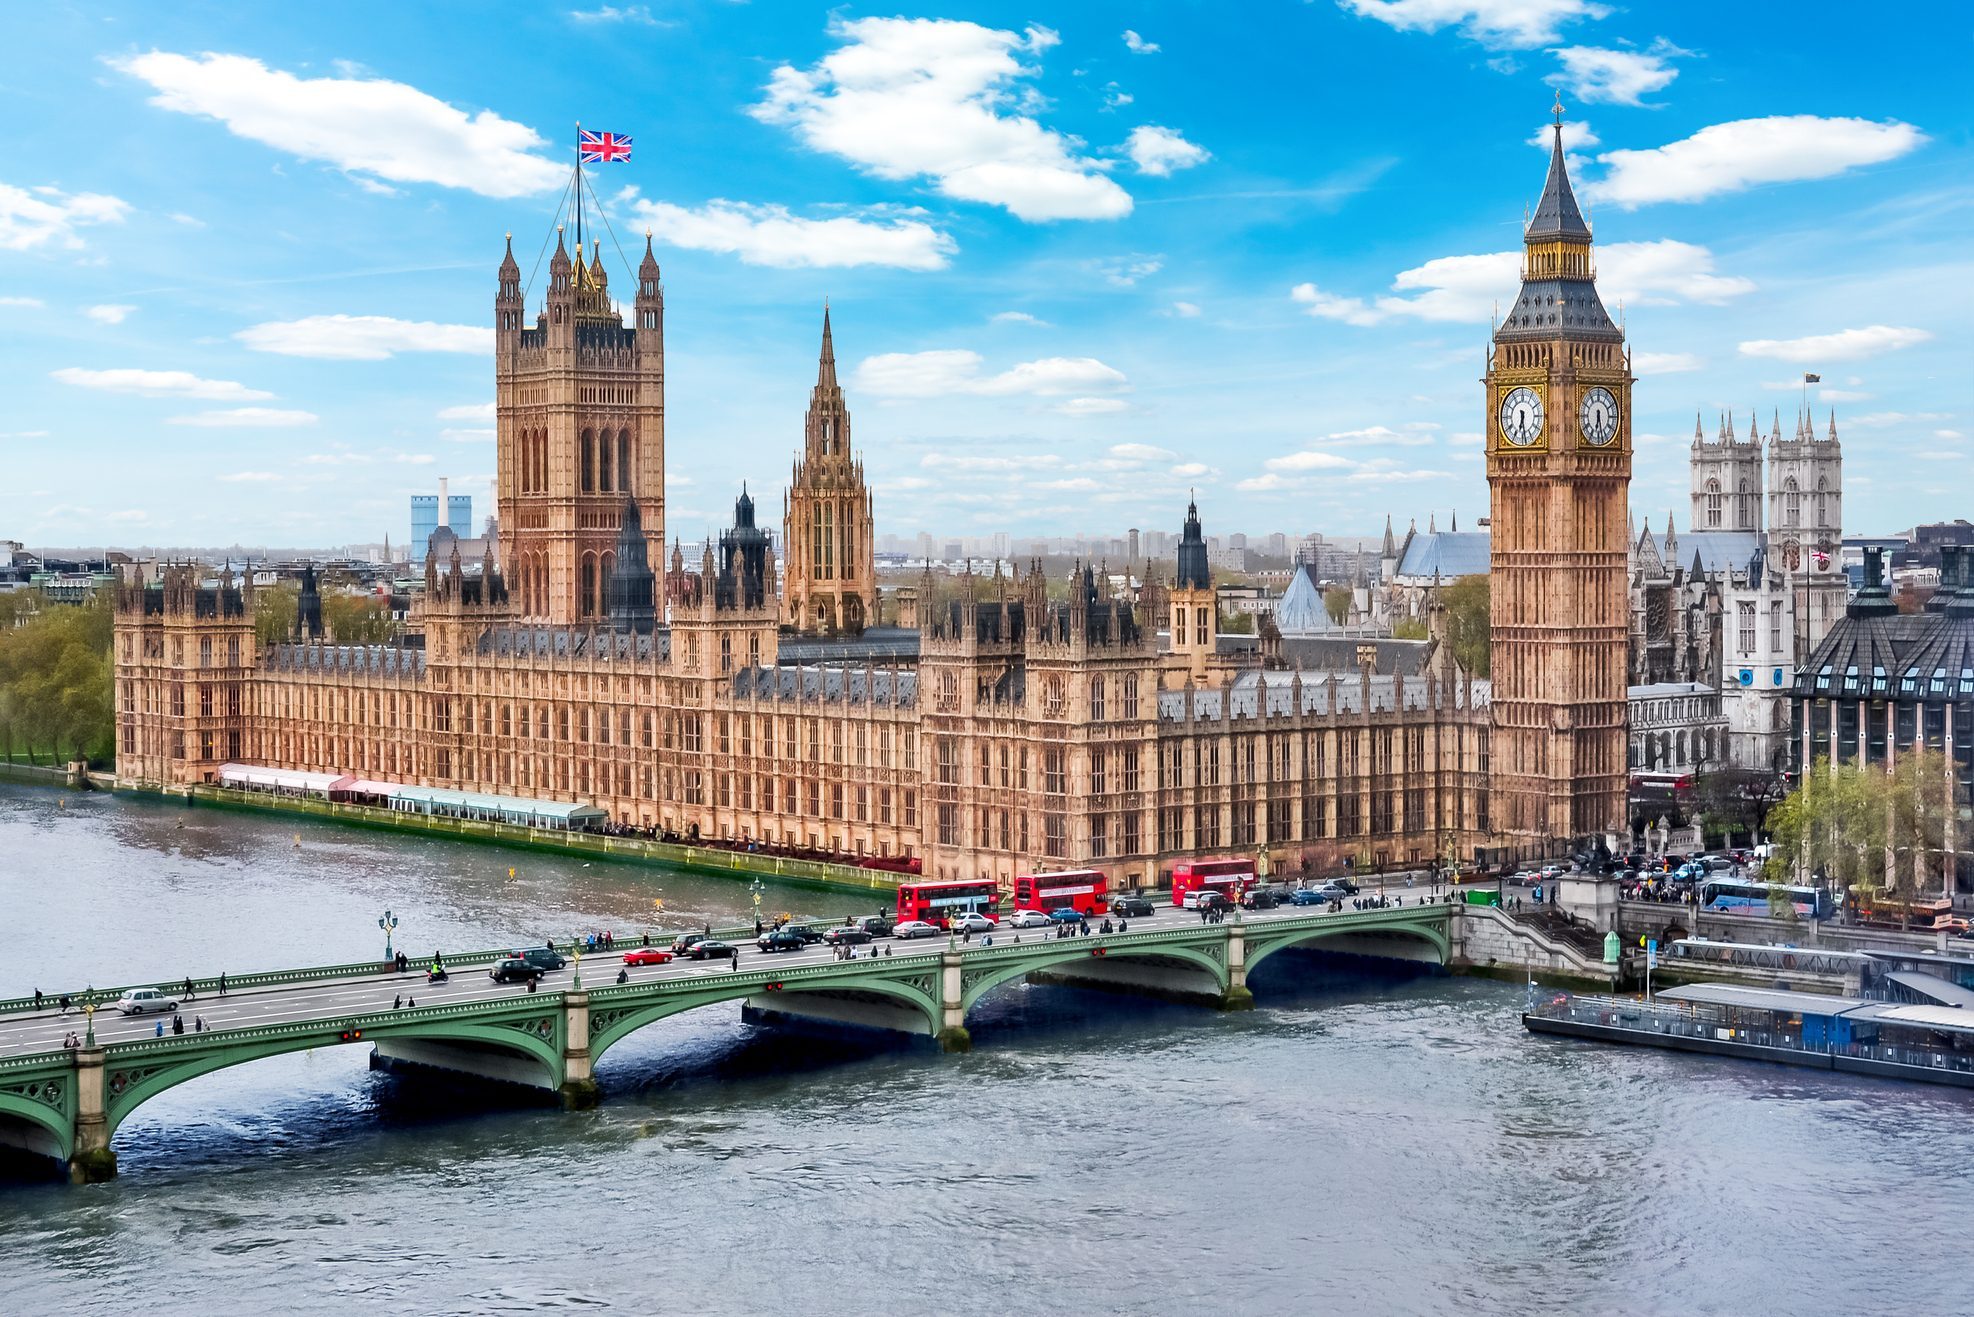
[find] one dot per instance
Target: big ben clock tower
(1559, 441)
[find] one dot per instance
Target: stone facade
(1022, 724)
(828, 535)
(1559, 467)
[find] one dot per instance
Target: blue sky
(1082, 257)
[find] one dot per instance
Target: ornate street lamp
(389, 923)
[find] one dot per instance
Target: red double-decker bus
(936, 903)
(1083, 890)
(1228, 877)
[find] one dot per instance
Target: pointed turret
(1698, 436)
(826, 364)
(1556, 214)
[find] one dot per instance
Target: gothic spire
(1556, 215)
(826, 366)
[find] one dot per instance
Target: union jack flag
(603, 148)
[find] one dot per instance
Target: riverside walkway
(67, 1102)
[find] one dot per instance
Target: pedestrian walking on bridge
(37, 999)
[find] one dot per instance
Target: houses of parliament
(984, 725)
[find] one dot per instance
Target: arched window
(1746, 509)
(603, 575)
(1199, 627)
(624, 460)
(603, 455)
(1822, 502)
(1131, 695)
(588, 593)
(589, 462)
(1792, 503)
(1713, 503)
(1097, 699)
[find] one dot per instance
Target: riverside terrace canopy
(413, 800)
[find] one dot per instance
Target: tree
(1466, 604)
(1336, 602)
(1864, 829)
(56, 682)
(1410, 628)
(274, 614)
(354, 619)
(1728, 800)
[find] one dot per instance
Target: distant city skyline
(263, 308)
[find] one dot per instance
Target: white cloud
(249, 477)
(28, 434)
(36, 217)
(267, 418)
(1091, 406)
(1843, 395)
(953, 371)
(368, 126)
(363, 338)
(936, 98)
(158, 384)
(772, 236)
(1844, 345)
(415, 459)
(1192, 469)
(1948, 434)
(1159, 151)
(639, 14)
(22, 301)
(1466, 289)
(1309, 460)
(1016, 318)
(1142, 453)
(109, 313)
(1125, 271)
(1329, 306)
(1617, 77)
(1648, 364)
(1381, 436)
(1516, 23)
(471, 411)
(1576, 136)
(1137, 45)
(467, 436)
(1728, 157)
(1184, 310)
(1115, 97)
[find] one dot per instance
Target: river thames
(1358, 1144)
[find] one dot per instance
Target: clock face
(1598, 415)
(1521, 416)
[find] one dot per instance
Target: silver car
(141, 1001)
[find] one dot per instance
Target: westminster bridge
(65, 1097)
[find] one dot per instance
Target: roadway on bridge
(324, 1000)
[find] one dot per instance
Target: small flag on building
(1807, 379)
(603, 148)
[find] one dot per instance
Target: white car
(1029, 919)
(916, 928)
(139, 1001)
(972, 922)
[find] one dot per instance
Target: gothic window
(603, 480)
(1775, 626)
(1746, 616)
(1131, 695)
(588, 462)
(1792, 502)
(1822, 502)
(1199, 627)
(624, 460)
(588, 593)
(1747, 509)
(1097, 699)
(1713, 503)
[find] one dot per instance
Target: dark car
(837, 937)
(707, 949)
(875, 925)
(685, 942)
(805, 932)
(1350, 888)
(514, 969)
(1261, 898)
(781, 939)
(1308, 896)
(542, 958)
(1133, 907)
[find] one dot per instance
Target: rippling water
(1358, 1144)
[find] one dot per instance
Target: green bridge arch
(1426, 924)
(978, 982)
(45, 1106)
(131, 1079)
(615, 1014)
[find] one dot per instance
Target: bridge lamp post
(576, 975)
(389, 923)
(754, 889)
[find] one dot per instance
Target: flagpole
(579, 189)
